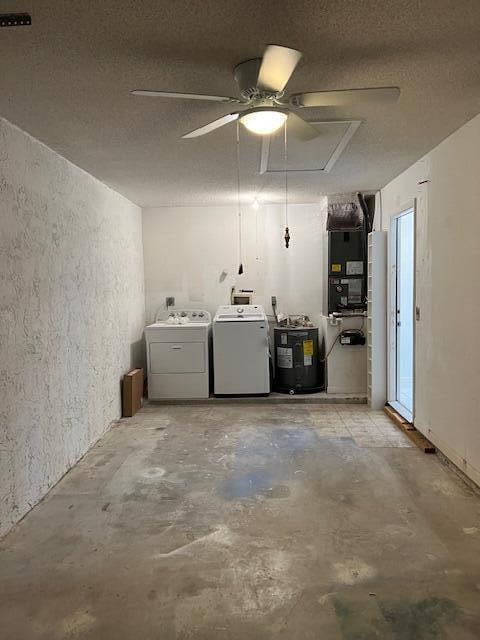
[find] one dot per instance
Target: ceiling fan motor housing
(246, 76)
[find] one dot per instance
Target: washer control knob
(201, 314)
(240, 310)
(183, 314)
(194, 314)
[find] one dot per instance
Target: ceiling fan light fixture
(263, 121)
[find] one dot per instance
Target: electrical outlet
(169, 301)
(274, 301)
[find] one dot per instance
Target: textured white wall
(72, 315)
(187, 248)
(447, 366)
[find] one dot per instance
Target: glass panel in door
(405, 312)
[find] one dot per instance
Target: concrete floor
(248, 522)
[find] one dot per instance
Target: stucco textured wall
(71, 315)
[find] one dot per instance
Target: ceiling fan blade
(184, 96)
(301, 129)
(346, 97)
(211, 126)
(277, 66)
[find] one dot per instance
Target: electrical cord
(340, 330)
(331, 347)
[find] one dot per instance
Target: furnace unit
(347, 285)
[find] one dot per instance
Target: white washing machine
(178, 355)
(241, 351)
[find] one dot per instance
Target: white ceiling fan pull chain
(239, 206)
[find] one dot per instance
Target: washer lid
(240, 313)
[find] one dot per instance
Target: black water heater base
(298, 392)
(297, 365)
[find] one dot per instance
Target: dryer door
(177, 357)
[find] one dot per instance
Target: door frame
(410, 205)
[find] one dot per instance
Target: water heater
(298, 368)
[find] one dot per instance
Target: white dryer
(178, 355)
(241, 351)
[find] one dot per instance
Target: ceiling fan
(262, 83)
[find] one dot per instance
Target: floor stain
(178, 540)
(151, 493)
(277, 453)
(471, 531)
(246, 485)
(422, 620)
(105, 459)
(279, 491)
(353, 571)
(358, 622)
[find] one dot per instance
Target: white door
(403, 310)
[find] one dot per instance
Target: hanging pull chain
(285, 168)
(239, 206)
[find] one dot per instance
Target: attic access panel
(318, 155)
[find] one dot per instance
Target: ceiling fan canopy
(262, 83)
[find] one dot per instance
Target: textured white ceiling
(66, 80)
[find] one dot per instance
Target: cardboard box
(132, 392)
